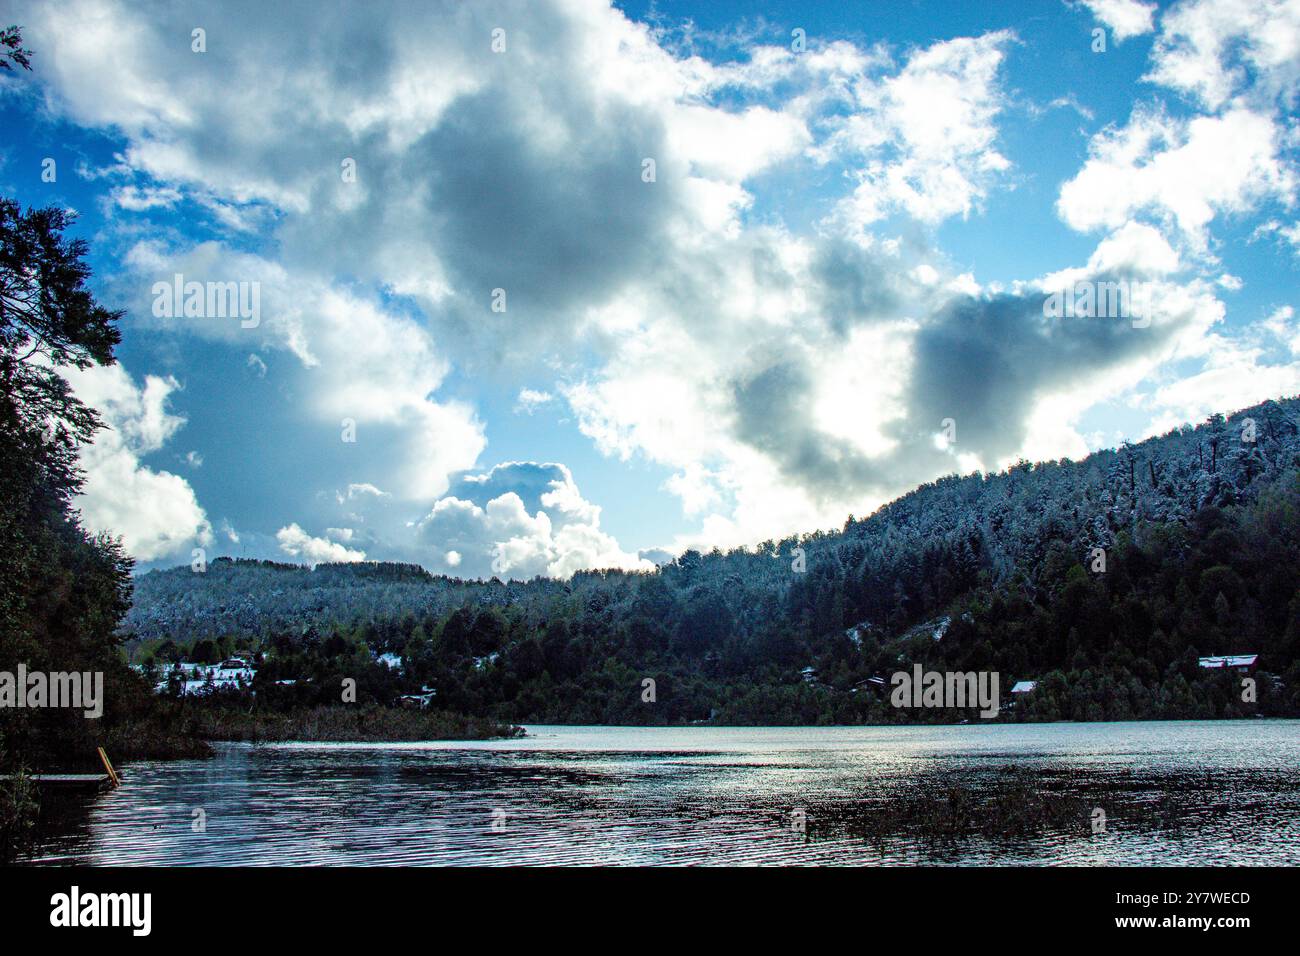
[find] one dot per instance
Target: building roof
(1229, 660)
(1024, 686)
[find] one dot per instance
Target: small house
(871, 683)
(420, 701)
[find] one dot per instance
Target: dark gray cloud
(774, 416)
(858, 285)
(983, 362)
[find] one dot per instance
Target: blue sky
(856, 215)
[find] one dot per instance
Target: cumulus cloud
(297, 543)
(1239, 63)
(1214, 50)
(1235, 376)
(519, 520)
(833, 407)
(362, 490)
(1184, 172)
(155, 513)
(359, 361)
(1135, 250)
(782, 378)
(580, 243)
(927, 134)
(1126, 18)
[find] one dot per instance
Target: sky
(522, 288)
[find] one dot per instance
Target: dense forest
(1103, 579)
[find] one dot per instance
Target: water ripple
(1172, 793)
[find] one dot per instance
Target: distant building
(809, 675)
(198, 679)
(420, 700)
(1024, 686)
(1240, 662)
(871, 683)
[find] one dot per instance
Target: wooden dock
(69, 782)
(76, 782)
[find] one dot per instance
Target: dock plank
(68, 781)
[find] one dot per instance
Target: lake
(1188, 792)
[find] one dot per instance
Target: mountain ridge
(1133, 463)
(1104, 580)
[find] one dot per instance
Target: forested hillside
(1202, 556)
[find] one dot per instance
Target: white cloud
(297, 543)
(1281, 324)
(154, 512)
(436, 130)
(927, 135)
(557, 534)
(1126, 18)
(140, 199)
(361, 362)
(782, 380)
(1185, 172)
(530, 400)
(1135, 250)
(363, 490)
(1213, 49)
(1237, 368)
(1289, 234)
(1233, 378)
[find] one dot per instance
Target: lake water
(1225, 792)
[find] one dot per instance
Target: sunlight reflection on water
(1173, 793)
